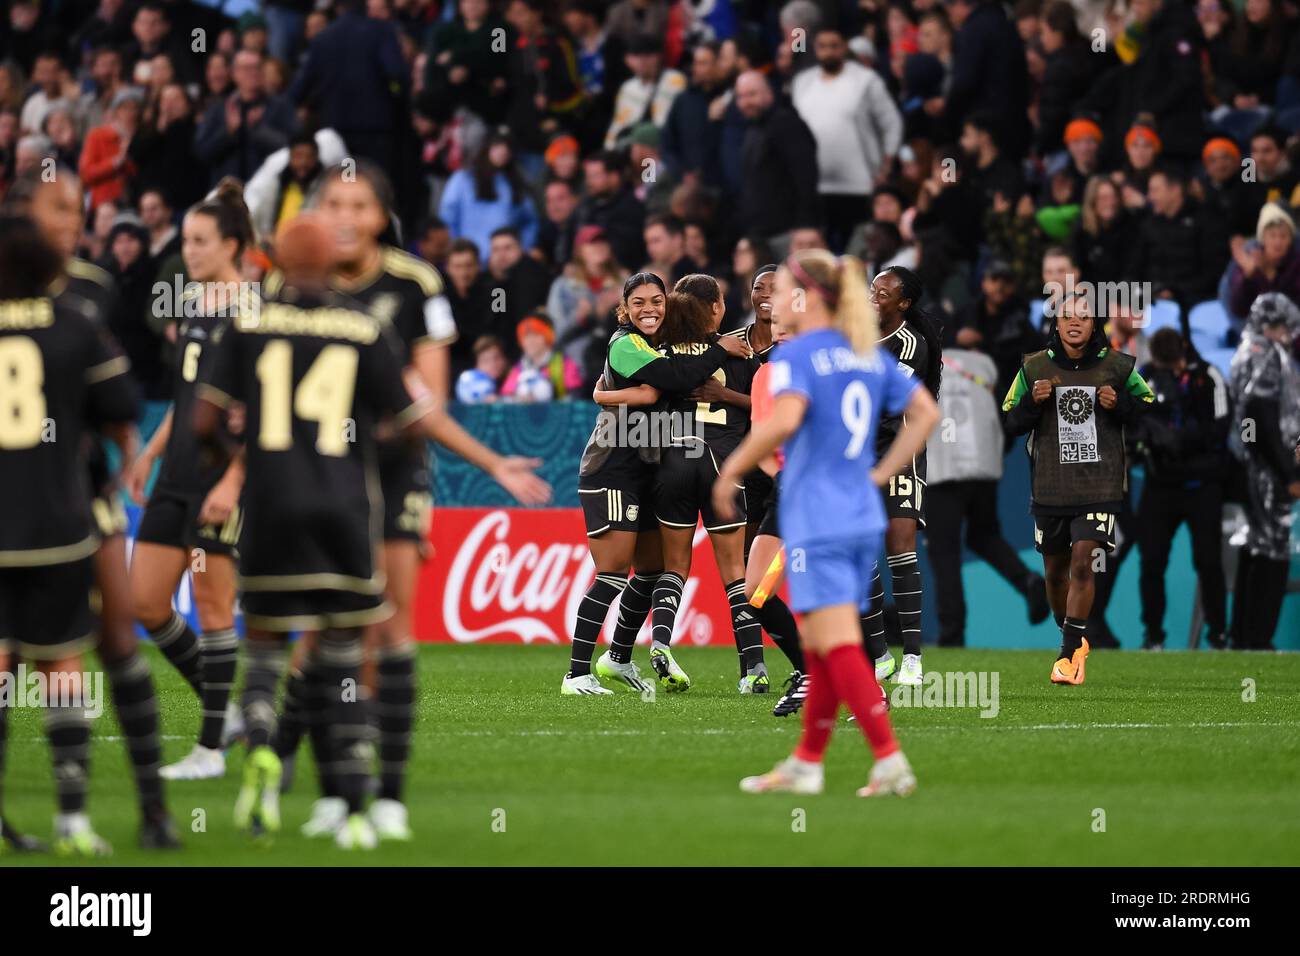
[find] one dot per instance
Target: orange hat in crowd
(1221, 143)
(559, 147)
(535, 323)
(1081, 129)
(1140, 131)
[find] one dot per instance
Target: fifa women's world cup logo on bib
(1076, 424)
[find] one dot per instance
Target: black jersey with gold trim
(198, 338)
(720, 425)
(913, 356)
(315, 374)
(404, 292)
(60, 378)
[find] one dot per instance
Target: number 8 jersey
(826, 487)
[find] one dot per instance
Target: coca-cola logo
(530, 590)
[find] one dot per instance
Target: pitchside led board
(506, 575)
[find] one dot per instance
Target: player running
(1075, 398)
(192, 519)
(315, 375)
(60, 380)
(54, 204)
(831, 387)
(707, 424)
(406, 294)
(910, 335)
(616, 488)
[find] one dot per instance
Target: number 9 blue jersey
(826, 488)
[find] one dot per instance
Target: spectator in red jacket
(106, 169)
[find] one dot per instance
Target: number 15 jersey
(315, 376)
(826, 488)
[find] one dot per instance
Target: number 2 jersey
(719, 425)
(60, 378)
(826, 488)
(315, 375)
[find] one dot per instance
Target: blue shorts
(832, 572)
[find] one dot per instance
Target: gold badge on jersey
(385, 306)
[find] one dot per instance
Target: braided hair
(923, 323)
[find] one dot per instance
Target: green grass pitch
(1158, 759)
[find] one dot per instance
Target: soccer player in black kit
(911, 336)
(54, 204)
(406, 295)
(192, 518)
(315, 375)
(61, 379)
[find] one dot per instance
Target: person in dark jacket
(1103, 233)
(354, 76)
(1183, 442)
(779, 158)
(988, 71)
(163, 149)
(1221, 192)
(611, 204)
(240, 131)
(462, 69)
(127, 261)
(1172, 247)
(1070, 69)
(546, 93)
(689, 141)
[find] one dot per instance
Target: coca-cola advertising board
(505, 575)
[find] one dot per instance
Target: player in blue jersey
(831, 388)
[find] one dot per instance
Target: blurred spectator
(690, 138)
(857, 129)
(279, 190)
(1141, 148)
(612, 205)
(964, 467)
(545, 91)
(479, 385)
(988, 71)
(52, 87)
(1070, 72)
(1265, 388)
(1247, 76)
(653, 181)
(1103, 233)
(1082, 139)
(153, 35)
(463, 69)
(582, 299)
(997, 324)
(285, 22)
(236, 134)
(106, 166)
(647, 95)
(31, 152)
(563, 159)
(541, 374)
(163, 149)
(517, 284)
(601, 65)
(1125, 330)
(1275, 179)
(1269, 264)
(665, 245)
(157, 217)
(105, 83)
(778, 163)
(218, 83)
(556, 230)
(127, 260)
(1172, 248)
(433, 242)
(60, 127)
(1219, 188)
(470, 301)
(632, 18)
(1182, 440)
(488, 196)
(354, 78)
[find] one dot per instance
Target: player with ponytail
(831, 385)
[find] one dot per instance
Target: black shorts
(1054, 534)
(905, 493)
(312, 610)
(171, 519)
(45, 611)
(768, 523)
(408, 494)
(684, 491)
(617, 504)
(758, 488)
